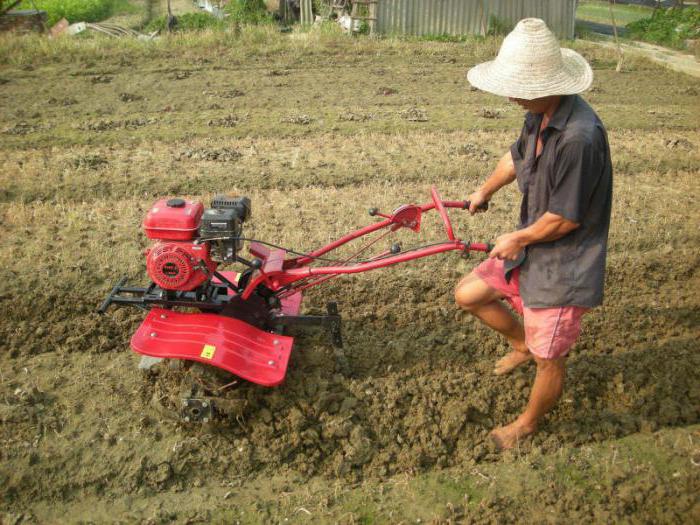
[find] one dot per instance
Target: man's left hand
(508, 246)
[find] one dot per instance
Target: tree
(6, 5)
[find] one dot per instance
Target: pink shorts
(549, 332)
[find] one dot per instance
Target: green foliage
(498, 26)
(247, 12)
(320, 7)
(670, 27)
(74, 10)
(187, 22)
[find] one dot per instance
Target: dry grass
(247, 41)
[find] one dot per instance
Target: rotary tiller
(235, 321)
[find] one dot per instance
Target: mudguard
(230, 344)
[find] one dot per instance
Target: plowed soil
(393, 428)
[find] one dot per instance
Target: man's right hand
(477, 199)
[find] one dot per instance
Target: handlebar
(484, 206)
(443, 214)
(374, 212)
(462, 205)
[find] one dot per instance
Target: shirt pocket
(554, 266)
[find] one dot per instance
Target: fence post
(372, 20)
(307, 15)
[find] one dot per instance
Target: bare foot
(513, 360)
(508, 436)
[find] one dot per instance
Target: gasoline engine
(190, 241)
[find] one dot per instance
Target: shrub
(73, 10)
(671, 27)
(247, 11)
(187, 22)
(498, 26)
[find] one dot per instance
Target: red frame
(288, 276)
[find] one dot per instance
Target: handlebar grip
(483, 207)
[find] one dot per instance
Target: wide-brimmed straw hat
(531, 65)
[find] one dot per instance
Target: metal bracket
(110, 298)
(334, 324)
(332, 321)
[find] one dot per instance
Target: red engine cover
(175, 265)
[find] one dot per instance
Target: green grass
(79, 10)
(188, 22)
(599, 12)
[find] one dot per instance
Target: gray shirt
(572, 178)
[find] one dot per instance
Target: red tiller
(239, 317)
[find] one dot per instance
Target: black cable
(324, 259)
(338, 261)
(288, 250)
(408, 250)
(291, 286)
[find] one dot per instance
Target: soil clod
(209, 154)
(229, 121)
(130, 97)
(386, 91)
(298, 118)
(414, 115)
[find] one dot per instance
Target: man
(551, 269)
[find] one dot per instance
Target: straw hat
(531, 65)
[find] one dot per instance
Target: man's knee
(557, 364)
(471, 293)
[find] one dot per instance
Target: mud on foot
(511, 361)
(507, 437)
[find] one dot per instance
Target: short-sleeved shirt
(571, 178)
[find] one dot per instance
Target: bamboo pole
(618, 68)
(482, 18)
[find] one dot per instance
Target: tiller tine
(230, 344)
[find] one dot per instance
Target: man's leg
(478, 298)
(549, 383)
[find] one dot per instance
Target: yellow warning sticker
(208, 352)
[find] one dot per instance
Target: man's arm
(503, 174)
(549, 227)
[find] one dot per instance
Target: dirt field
(315, 129)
